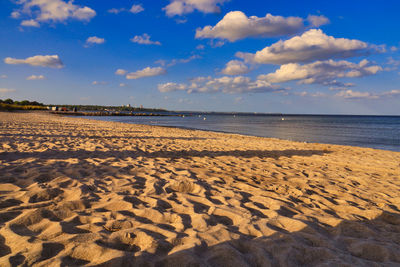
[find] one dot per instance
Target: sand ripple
(82, 192)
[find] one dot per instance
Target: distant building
(128, 106)
(141, 106)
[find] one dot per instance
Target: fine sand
(83, 192)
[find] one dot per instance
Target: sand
(83, 192)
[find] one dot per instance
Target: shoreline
(79, 191)
(248, 135)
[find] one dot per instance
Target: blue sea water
(381, 132)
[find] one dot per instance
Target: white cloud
(311, 45)
(99, 83)
(54, 10)
(144, 39)
(122, 84)
(341, 87)
(174, 61)
(180, 21)
(36, 77)
(321, 72)
(30, 23)
(337, 84)
(136, 9)
(170, 87)
(181, 7)
(317, 21)
(52, 61)
(15, 14)
(235, 67)
(120, 72)
(391, 93)
(225, 84)
(393, 64)
(116, 10)
(216, 44)
(95, 40)
(350, 94)
(3, 76)
(146, 72)
(236, 25)
(307, 94)
(6, 91)
(200, 47)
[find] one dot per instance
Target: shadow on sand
(85, 154)
(350, 243)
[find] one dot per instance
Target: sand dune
(83, 192)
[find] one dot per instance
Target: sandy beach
(83, 192)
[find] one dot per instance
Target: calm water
(382, 132)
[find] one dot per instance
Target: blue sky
(333, 57)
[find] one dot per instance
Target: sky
(308, 57)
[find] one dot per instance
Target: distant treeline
(21, 103)
(9, 105)
(108, 108)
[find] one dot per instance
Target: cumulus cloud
(311, 45)
(3, 76)
(94, 40)
(36, 77)
(317, 21)
(321, 72)
(144, 39)
(53, 10)
(170, 87)
(225, 84)
(181, 7)
(52, 61)
(30, 23)
(146, 72)
(15, 14)
(120, 72)
(236, 25)
(136, 9)
(235, 67)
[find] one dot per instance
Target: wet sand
(84, 192)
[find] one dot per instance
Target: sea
(380, 132)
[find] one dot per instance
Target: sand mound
(83, 192)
